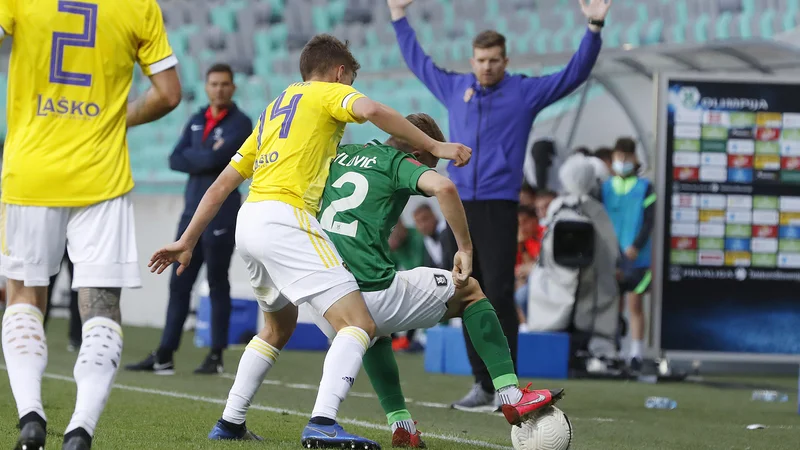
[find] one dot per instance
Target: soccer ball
(548, 430)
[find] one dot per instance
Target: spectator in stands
(74, 333)
(605, 154)
(630, 203)
(431, 229)
(406, 247)
(542, 203)
(407, 250)
(529, 242)
(602, 170)
(209, 141)
(527, 195)
(493, 112)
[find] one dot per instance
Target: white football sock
(407, 425)
(339, 371)
(95, 371)
(257, 359)
(510, 395)
(25, 352)
(636, 349)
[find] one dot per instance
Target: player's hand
(460, 154)
(462, 268)
(176, 252)
(399, 4)
(631, 253)
(595, 9)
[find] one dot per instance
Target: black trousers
(215, 249)
(75, 325)
(493, 228)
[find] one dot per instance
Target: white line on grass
(309, 387)
(197, 398)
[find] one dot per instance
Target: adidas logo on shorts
(441, 280)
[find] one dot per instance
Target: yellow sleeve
(244, 158)
(338, 100)
(154, 53)
(7, 17)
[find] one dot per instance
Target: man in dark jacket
(493, 112)
(209, 141)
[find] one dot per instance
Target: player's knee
(473, 292)
(277, 335)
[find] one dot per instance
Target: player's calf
(97, 363)
(25, 354)
(486, 334)
(355, 329)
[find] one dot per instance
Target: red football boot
(531, 402)
(401, 438)
(400, 344)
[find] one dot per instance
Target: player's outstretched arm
(435, 185)
(392, 122)
(181, 251)
(162, 97)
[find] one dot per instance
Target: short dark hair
(625, 145)
(546, 193)
(324, 52)
(526, 210)
(603, 153)
(527, 188)
(489, 39)
(422, 207)
(219, 68)
(426, 124)
(583, 151)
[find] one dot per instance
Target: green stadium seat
(633, 34)
(749, 6)
(654, 32)
(319, 16)
(612, 36)
(681, 12)
(678, 33)
(722, 27)
(224, 17)
(745, 26)
(701, 28)
(765, 24)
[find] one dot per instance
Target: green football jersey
(367, 189)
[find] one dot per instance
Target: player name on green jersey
(367, 189)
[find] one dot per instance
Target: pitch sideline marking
(198, 398)
(309, 387)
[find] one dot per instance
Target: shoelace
(526, 389)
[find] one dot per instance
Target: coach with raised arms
(492, 112)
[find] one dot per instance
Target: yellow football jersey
(291, 149)
(70, 74)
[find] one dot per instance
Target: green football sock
(381, 367)
(487, 337)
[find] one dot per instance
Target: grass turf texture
(169, 412)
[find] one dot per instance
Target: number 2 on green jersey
(352, 201)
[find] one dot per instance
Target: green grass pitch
(176, 412)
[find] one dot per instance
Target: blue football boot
(334, 436)
(224, 431)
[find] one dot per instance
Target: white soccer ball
(548, 430)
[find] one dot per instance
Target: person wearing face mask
(630, 203)
(493, 111)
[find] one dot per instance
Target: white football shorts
(100, 240)
(290, 258)
(417, 298)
